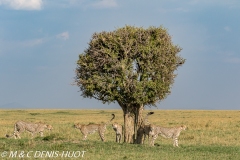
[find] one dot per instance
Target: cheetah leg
(175, 142)
(84, 137)
(102, 136)
(154, 137)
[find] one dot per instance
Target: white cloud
(105, 4)
(64, 36)
(23, 4)
(164, 10)
(32, 43)
(63, 3)
(233, 60)
(230, 4)
(17, 46)
(230, 57)
(41, 68)
(227, 28)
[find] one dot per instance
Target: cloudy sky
(40, 41)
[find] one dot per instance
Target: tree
(132, 66)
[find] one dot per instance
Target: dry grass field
(210, 134)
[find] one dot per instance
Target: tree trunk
(128, 127)
(138, 125)
(133, 123)
(128, 124)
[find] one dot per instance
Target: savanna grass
(210, 135)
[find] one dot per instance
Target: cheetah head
(77, 126)
(183, 127)
(49, 127)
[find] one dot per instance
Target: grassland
(210, 135)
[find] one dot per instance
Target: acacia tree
(131, 66)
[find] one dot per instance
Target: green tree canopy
(129, 65)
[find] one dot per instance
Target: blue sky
(40, 41)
